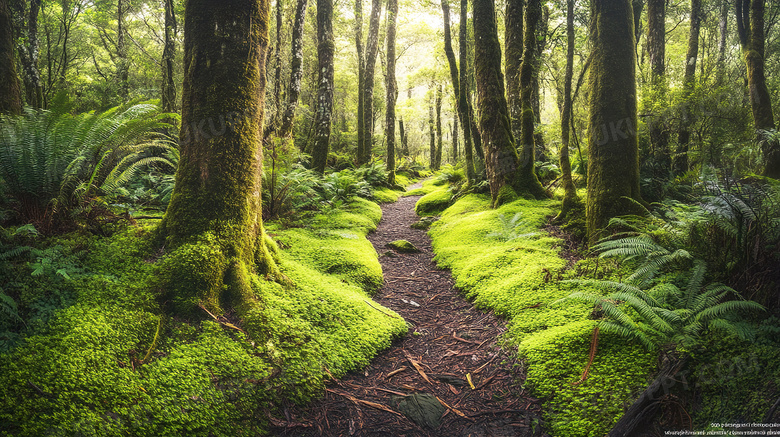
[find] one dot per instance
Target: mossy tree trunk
(513, 54)
(10, 93)
(680, 159)
(570, 197)
(501, 160)
(372, 49)
(325, 52)
(750, 25)
(466, 82)
(432, 136)
(296, 70)
(392, 89)
(536, 100)
(404, 138)
(656, 48)
(460, 95)
(455, 139)
(361, 58)
(168, 97)
(122, 61)
(439, 135)
(528, 182)
(723, 32)
(27, 46)
(613, 158)
(273, 124)
(213, 225)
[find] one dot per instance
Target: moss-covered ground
(102, 357)
(520, 279)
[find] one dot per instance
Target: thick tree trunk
(326, 48)
(123, 63)
(513, 53)
(439, 136)
(570, 193)
(392, 92)
(680, 159)
(613, 158)
(656, 48)
(296, 71)
(501, 160)
(213, 225)
(27, 46)
(460, 95)
(372, 49)
(750, 24)
(361, 79)
(527, 180)
(168, 99)
(10, 94)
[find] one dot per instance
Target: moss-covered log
(325, 53)
(213, 224)
(613, 158)
(10, 93)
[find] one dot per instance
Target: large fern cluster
(52, 162)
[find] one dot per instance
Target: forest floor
(451, 352)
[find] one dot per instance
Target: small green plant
(511, 228)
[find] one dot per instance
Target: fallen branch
(463, 339)
(397, 371)
(454, 410)
(367, 403)
(417, 366)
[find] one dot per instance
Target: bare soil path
(450, 353)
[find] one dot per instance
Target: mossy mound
(433, 203)
(424, 222)
(111, 361)
(428, 186)
(403, 246)
(520, 280)
(386, 195)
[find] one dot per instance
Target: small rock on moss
(403, 246)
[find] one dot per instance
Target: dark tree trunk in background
(613, 158)
(723, 31)
(361, 58)
(372, 49)
(455, 140)
(10, 94)
(27, 46)
(541, 148)
(466, 71)
(273, 125)
(296, 70)
(501, 160)
(392, 91)
(123, 63)
(432, 135)
(570, 192)
(460, 95)
(439, 139)
(527, 180)
(214, 219)
(513, 53)
(168, 98)
(326, 48)
(404, 138)
(680, 159)
(656, 48)
(750, 25)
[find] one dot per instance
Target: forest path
(448, 339)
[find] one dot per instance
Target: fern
(510, 229)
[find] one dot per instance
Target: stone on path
(403, 246)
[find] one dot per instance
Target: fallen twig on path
(367, 403)
(417, 366)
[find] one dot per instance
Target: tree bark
(27, 46)
(439, 136)
(528, 182)
(404, 138)
(455, 139)
(372, 49)
(392, 92)
(570, 192)
(613, 158)
(513, 52)
(750, 25)
(123, 63)
(168, 99)
(723, 30)
(466, 71)
(656, 48)
(460, 95)
(10, 93)
(326, 48)
(432, 136)
(213, 225)
(296, 71)
(271, 127)
(536, 100)
(680, 159)
(361, 79)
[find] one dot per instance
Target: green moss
(386, 195)
(506, 194)
(428, 186)
(519, 280)
(403, 246)
(433, 203)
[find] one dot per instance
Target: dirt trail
(448, 340)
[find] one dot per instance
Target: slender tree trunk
(513, 53)
(271, 127)
(723, 31)
(326, 49)
(27, 46)
(501, 160)
(750, 25)
(392, 92)
(570, 193)
(123, 63)
(466, 74)
(613, 158)
(404, 139)
(439, 136)
(10, 93)
(361, 80)
(455, 139)
(541, 148)
(372, 49)
(213, 226)
(168, 99)
(680, 159)
(296, 70)
(432, 135)
(527, 180)
(460, 94)
(656, 48)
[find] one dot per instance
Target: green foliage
(510, 228)
(433, 203)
